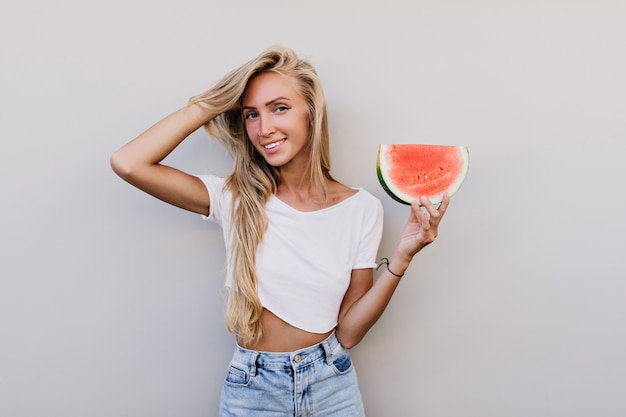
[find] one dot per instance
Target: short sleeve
(371, 234)
(215, 188)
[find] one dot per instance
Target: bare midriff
(280, 336)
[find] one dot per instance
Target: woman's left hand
(422, 227)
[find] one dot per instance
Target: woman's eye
(250, 115)
(280, 109)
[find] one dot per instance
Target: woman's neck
(300, 193)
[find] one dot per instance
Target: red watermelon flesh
(409, 171)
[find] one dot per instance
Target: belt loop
(253, 364)
(328, 349)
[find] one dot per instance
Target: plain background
(111, 303)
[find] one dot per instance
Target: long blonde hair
(252, 181)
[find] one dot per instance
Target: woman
(301, 245)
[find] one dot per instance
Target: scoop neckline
(342, 202)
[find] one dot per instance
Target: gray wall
(110, 301)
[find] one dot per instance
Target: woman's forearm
(365, 311)
(158, 141)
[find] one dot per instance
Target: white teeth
(273, 145)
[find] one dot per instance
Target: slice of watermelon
(410, 171)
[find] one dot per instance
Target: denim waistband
(324, 350)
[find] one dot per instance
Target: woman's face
(277, 121)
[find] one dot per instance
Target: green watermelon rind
(407, 199)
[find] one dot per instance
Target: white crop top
(304, 263)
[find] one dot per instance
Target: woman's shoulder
(212, 179)
(339, 192)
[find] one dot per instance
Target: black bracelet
(385, 261)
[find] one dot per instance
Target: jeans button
(297, 358)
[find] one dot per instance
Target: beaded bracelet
(385, 261)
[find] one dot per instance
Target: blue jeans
(318, 381)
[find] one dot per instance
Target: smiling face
(277, 121)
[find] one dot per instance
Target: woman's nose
(266, 127)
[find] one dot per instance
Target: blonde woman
(301, 246)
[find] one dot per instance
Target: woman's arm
(139, 161)
(365, 301)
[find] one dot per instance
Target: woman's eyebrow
(269, 103)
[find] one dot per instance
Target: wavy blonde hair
(252, 180)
